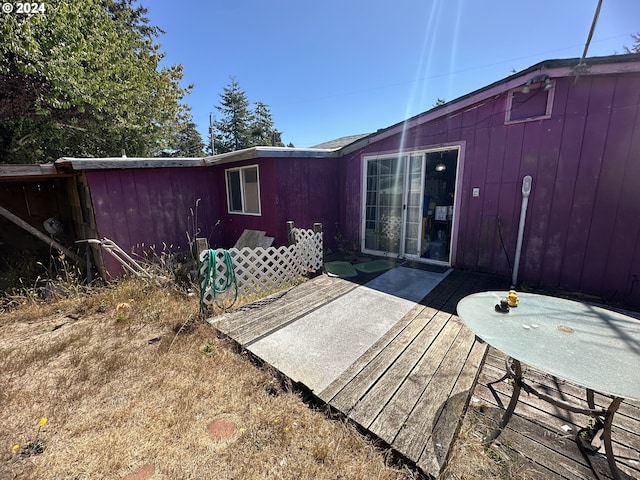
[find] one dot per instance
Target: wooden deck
(411, 389)
(545, 435)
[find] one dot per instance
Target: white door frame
(460, 147)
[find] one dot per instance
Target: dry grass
(121, 391)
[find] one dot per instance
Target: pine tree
(186, 142)
(241, 127)
(262, 130)
(635, 48)
(233, 131)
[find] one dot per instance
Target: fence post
(201, 245)
(290, 232)
(317, 251)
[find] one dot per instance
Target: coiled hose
(210, 279)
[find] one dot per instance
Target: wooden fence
(259, 270)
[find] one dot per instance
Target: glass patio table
(592, 347)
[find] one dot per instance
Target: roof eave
(554, 68)
(28, 171)
(111, 163)
(270, 152)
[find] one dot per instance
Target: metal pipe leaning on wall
(123, 258)
(526, 191)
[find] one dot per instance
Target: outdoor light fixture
(526, 88)
(441, 167)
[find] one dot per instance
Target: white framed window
(243, 190)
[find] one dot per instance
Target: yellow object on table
(512, 298)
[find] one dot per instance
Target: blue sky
(333, 68)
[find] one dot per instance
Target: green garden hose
(210, 278)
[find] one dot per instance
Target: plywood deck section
(412, 388)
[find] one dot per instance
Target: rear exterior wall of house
(582, 230)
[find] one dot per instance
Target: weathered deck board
(344, 381)
(530, 440)
(397, 392)
(626, 431)
(247, 315)
(411, 389)
(420, 423)
(435, 300)
(247, 329)
(358, 379)
(384, 359)
(535, 430)
(447, 422)
(387, 382)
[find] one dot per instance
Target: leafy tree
(635, 48)
(234, 129)
(439, 101)
(83, 79)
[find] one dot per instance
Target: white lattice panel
(391, 226)
(263, 269)
(311, 249)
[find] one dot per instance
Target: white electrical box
(476, 192)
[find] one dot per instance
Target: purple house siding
(152, 207)
(304, 190)
(308, 193)
(231, 224)
(582, 231)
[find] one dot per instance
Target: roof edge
(110, 163)
(270, 152)
(557, 68)
(24, 170)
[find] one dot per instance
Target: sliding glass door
(413, 210)
(383, 204)
(408, 204)
(393, 205)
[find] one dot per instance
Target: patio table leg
(606, 437)
(514, 372)
(590, 400)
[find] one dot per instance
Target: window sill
(245, 214)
